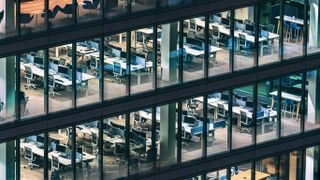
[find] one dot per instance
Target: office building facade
(159, 89)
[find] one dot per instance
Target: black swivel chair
(91, 5)
(52, 13)
(25, 18)
(68, 9)
(1, 15)
(245, 123)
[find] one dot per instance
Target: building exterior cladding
(159, 89)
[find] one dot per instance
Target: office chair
(25, 18)
(1, 15)
(23, 103)
(221, 112)
(117, 71)
(289, 106)
(29, 156)
(94, 65)
(192, 25)
(55, 164)
(187, 58)
(271, 28)
(215, 36)
(191, 34)
(52, 86)
(90, 5)
(245, 124)
(244, 46)
(62, 61)
(192, 106)
(30, 77)
(1, 105)
(68, 10)
(51, 13)
(295, 32)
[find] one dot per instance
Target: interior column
(314, 29)
(313, 110)
(8, 22)
(7, 160)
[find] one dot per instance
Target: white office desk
(285, 95)
(58, 78)
(34, 148)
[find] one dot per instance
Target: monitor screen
(53, 66)
(38, 61)
(224, 97)
(249, 104)
(249, 28)
(79, 150)
(62, 70)
(60, 148)
(139, 133)
(40, 139)
(239, 26)
(216, 19)
(264, 34)
(194, 42)
(225, 22)
(123, 55)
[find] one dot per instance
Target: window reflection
(142, 5)
(291, 165)
(115, 8)
(89, 10)
(217, 175)
(266, 168)
(8, 19)
(8, 160)
(60, 13)
(313, 43)
(242, 171)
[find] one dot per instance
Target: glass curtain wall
(116, 66)
(8, 160)
(290, 165)
(8, 16)
(312, 162)
(313, 44)
(7, 89)
(220, 43)
(142, 60)
(32, 80)
(32, 157)
(311, 101)
(61, 13)
(88, 72)
(60, 78)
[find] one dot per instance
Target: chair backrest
(28, 155)
(117, 68)
(96, 3)
(193, 24)
(242, 39)
(1, 15)
(215, 30)
(243, 117)
(62, 61)
(51, 81)
(55, 164)
(25, 18)
(271, 28)
(68, 9)
(28, 72)
(221, 111)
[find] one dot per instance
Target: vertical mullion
(230, 120)
(153, 137)
(205, 126)
(74, 155)
(257, 35)
(17, 93)
(278, 158)
(180, 52)
(253, 170)
(74, 68)
(305, 27)
(303, 104)
(101, 68)
(303, 163)
(75, 12)
(128, 47)
(207, 48)
(279, 107)
(100, 146)
(18, 17)
(17, 158)
(127, 143)
(254, 112)
(46, 84)
(281, 30)
(45, 168)
(46, 9)
(179, 132)
(103, 10)
(155, 56)
(231, 52)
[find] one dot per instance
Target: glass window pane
(312, 101)
(60, 13)
(88, 71)
(269, 44)
(193, 48)
(266, 168)
(141, 152)
(218, 119)
(244, 38)
(8, 160)
(60, 154)
(291, 104)
(167, 54)
(115, 66)
(313, 27)
(60, 78)
(7, 89)
(293, 28)
(32, 18)
(32, 157)
(166, 135)
(7, 19)
(267, 105)
(32, 84)
(291, 166)
(311, 162)
(142, 71)
(217, 175)
(115, 8)
(142, 5)
(115, 163)
(242, 122)
(89, 10)
(220, 43)
(87, 150)
(242, 171)
(192, 128)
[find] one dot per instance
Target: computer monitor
(194, 42)
(40, 139)
(216, 19)
(38, 61)
(139, 133)
(54, 61)
(225, 22)
(79, 150)
(189, 120)
(60, 148)
(224, 97)
(123, 54)
(116, 125)
(239, 26)
(53, 66)
(63, 70)
(249, 28)
(264, 34)
(249, 104)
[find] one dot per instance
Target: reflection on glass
(89, 10)
(217, 175)
(32, 157)
(8, 160)
(31, 16)
(293, 28)
(142, 63)
(266, 168)
(141, 151)
(291, 165)
(115, 164)
(192, 128)
(7, 19)
(115, 66)
(268, 33)
(60, 154)
(244, 38)
(116, 7)
(138, 5)
(193, 48)
(220, 43)
(312, 101)
(311, 161)
(60, 13)
(88, 72)
(87, 150)
(32, 84)
(291, 104)
(60, 78)
(266, 114)
(242, 122)
(313, 43)
(7, 86)
(218, 119)
(166, 135)
(242, 171)
(167, 54)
